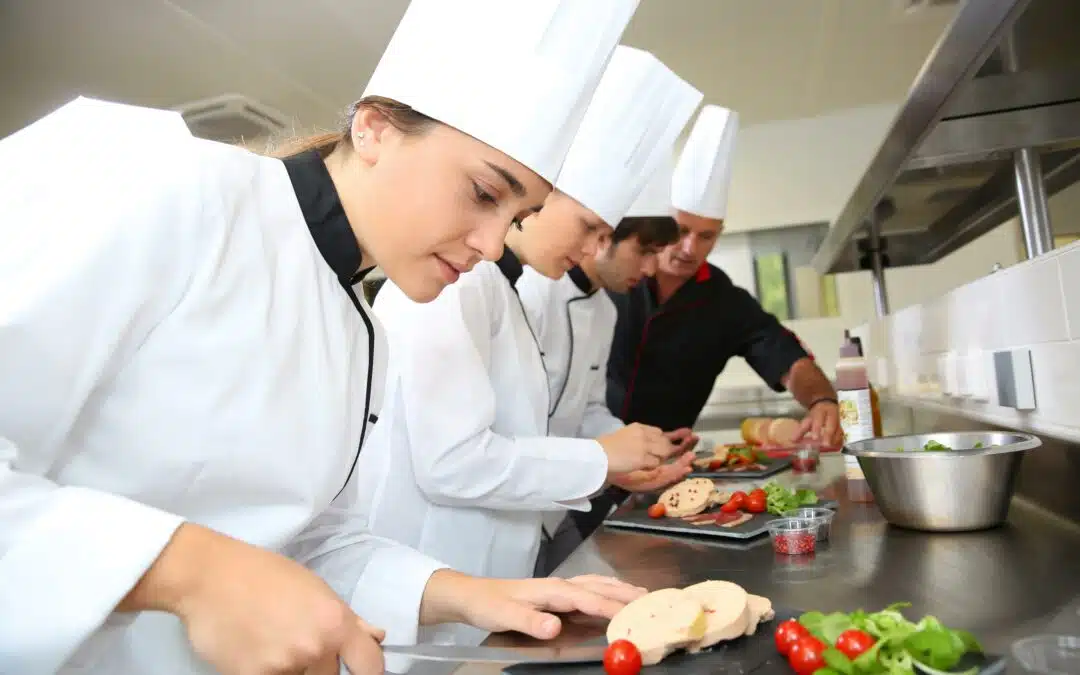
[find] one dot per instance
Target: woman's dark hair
(657, 231)
(402, 117)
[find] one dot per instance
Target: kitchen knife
(593, 653)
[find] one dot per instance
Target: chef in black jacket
(676, 331)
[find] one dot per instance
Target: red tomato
(758, 491)
(739, 498)
(787, 634)
(717, 464)
(854, 642)
(731, 506)
(755, 503)
(657, 510)
(622, 658)
(805, 655)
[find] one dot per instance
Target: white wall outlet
(952, 375)
(1015, 379)
(979, 375)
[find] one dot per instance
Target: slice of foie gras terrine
(688, 498)
(727, 611)
(659, 623)
(761, 610)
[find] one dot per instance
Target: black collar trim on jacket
(581, 280)
(510, 266)
(325, 216)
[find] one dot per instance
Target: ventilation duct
(232, 118)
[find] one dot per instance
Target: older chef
(574, 320)
(460, 464)
(187, 373)
(676, 332)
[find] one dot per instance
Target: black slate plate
(755, 653)
(774, 467)
(634, 516)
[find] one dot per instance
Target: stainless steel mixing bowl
(967, 488)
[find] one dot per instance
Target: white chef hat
(655, 198)
(94, 119)
(517, 75)
(638, 111)
(703, 174)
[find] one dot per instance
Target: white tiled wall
(1034, 304)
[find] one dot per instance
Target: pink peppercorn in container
(794, 536)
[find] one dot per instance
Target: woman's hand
(658, 478)
(248, 611)
(634, 447)
(522, 605)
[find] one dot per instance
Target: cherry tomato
(755, 503)
(787, 634)
(758, 491)
(805, 655)
(717, 464)
(854, 642)
(731, 506)
(657, 510)
(739, 498)
(622, 658)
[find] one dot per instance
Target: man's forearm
(807, 383)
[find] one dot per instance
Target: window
(786, 283)
(771, 279)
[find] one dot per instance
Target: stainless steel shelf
(944, 173)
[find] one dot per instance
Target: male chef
(574, 321)
(676, 331)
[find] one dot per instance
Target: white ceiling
(769, 59)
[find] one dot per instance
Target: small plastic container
(793, 536)
(805, 459)
(1049, 654)
(822, 517)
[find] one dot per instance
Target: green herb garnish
(902, 647)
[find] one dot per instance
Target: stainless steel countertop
(1001, 584)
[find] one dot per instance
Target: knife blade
(506, 655)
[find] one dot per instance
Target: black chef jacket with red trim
(665, 358)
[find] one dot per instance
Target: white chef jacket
(176, 344)
(574, 324)
(459, 465)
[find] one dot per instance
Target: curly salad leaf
(901, 647)
(780, 498)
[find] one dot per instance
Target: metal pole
(877, 269)
(1030, 189)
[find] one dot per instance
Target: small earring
(360, 137)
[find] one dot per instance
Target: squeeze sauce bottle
(857, 412)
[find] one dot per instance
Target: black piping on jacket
(581, 280)
(336, 241)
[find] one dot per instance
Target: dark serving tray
(755, 653)
(634, 516)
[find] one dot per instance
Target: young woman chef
(186, 371)
(459, 464)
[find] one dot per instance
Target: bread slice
(727, 611)
(688, 498)
(761, 610)
(658, 623)
(783, 432)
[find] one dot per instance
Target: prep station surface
(1003, 584)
